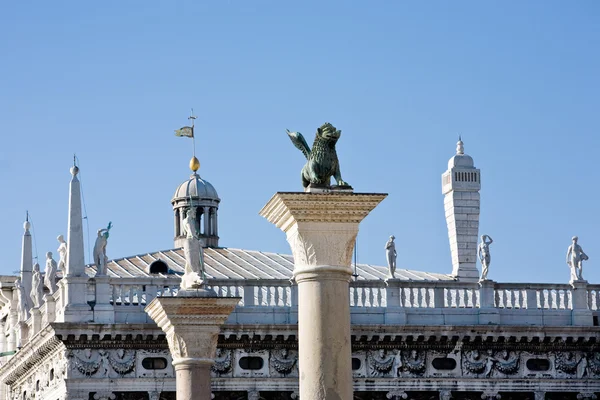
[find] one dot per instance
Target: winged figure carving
(322, 160)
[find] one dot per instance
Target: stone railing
(418, 302)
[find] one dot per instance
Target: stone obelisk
(321, 229)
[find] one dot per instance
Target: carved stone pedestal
(192, 326)
(321, 230)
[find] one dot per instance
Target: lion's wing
(300, 143)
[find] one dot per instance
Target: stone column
(206, 216)
(192, 326)
(321, 230)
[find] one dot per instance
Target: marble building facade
(419, 336)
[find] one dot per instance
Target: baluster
(411, 297)
(497, 298)
(277, 295)
(380, 297)
(402, 297)
(355, 296)
(260, 295)
(428, 297)
(597, 300)
(466, 297)
(448, 298)
(114, 294)
(419, 297)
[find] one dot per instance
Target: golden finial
(194, 164)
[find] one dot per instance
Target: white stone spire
(26, 262)
(75, 250)
(460, 185)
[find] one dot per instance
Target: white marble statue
(390, 252)
(483, 251)
(37, 287)
(575, 259)
(100, 258)
(50, 273)
(23, 306)
(193, 277)
(62, 252)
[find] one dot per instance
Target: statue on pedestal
(575, 259)
(483, 251)
(322, 160)
(194, 276)
(50, 275)
(100, 258)
(62, 252)
(23, 306)
(390, 252)
(37, 287)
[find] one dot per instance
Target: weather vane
(188, 131)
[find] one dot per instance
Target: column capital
(192, 325)
(321, 228)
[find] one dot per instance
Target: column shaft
(193, 380)
(325, 359)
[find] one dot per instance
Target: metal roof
(229, 263)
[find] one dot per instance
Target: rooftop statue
(100, 258)
(50, 275)
(322, 161)
(62, 252)
(390, 252)
(37, 287)
(483, 251)
(194, 276)
(575, 259)
(23, 310)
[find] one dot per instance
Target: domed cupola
(200, 194)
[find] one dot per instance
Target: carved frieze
(490, 363)
(223, 362)
(282, 361)
(381, 363)
(101, 362)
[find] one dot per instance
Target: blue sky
(112, 80)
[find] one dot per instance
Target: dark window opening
(251, 362)
(154, 363)
(52, 374)
(444, 363)
(538, 364)
(159, 267)
(356, 363)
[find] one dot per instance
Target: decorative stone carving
(100, 258)
(587, 396)
(222, 363)
(295, 396)
(102, 363)
(490, 395)
(23, 310)
(483, 252)
(62, 252)
(539, 395)
(37, 287)
(566, 362)
(154, 395)
(575, 259)
(507, 362)
(122, 361)
(503, 361)
(390, 253)
(445, 394)
(380, 363)
(50, 273)
(414, 362)
(84, 361)
(193, 277)
(254, 395)
(396, 394)
(104, 395)
(282, 361)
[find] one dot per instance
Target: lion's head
(328, 132)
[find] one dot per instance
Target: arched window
(158, 267)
